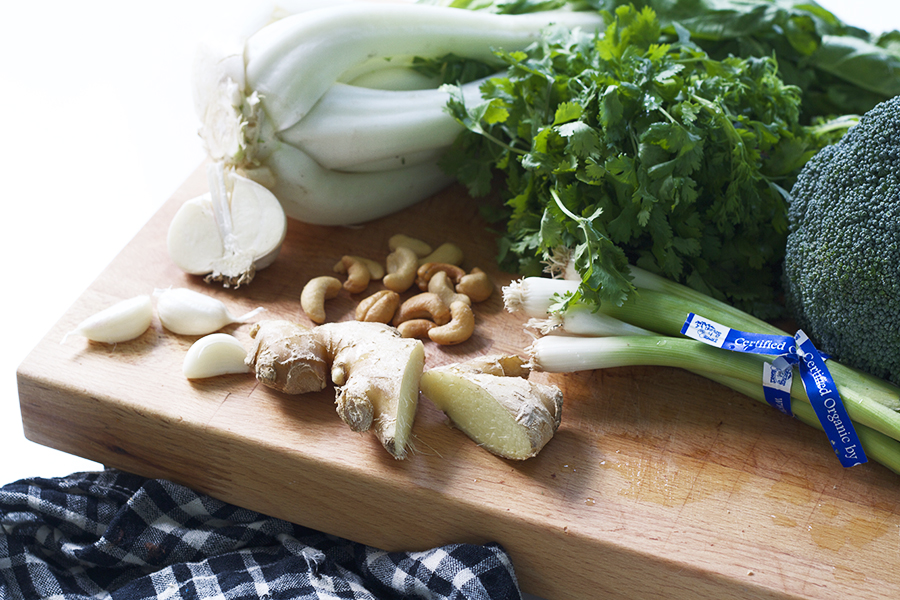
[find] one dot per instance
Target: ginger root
(288, 357)
(374, 369)
(374, 366)
(491, 400)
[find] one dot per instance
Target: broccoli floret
(842, 260)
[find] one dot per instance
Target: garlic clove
(229, 233)
(120, 322)
(186, 312)
(213, 355)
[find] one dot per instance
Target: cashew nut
(476, 285)
(316, 291)
(376, 270)
(426, 305)
(418, 246)
(445, 253)
(415, 328)
(426, 271)
(379, 307)
(401, 269)
(440, 284)
(459, 329)
(358, 275)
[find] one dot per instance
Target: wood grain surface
(659, 484)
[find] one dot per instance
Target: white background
(99, 130)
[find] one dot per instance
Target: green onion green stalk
(645, 330)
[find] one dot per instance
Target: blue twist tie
(778, 375)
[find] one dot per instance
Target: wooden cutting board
(659, 484)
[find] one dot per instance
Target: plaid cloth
(115, 535)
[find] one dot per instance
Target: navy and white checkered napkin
(115, 535)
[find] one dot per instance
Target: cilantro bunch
(627, 150)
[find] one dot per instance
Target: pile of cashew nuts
(441, 309)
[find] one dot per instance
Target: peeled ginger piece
(491, 400)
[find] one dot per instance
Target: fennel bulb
(321, 106)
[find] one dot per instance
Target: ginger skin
(287, 357)
(374, 369)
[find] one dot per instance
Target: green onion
(653, 319)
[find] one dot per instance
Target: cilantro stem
(501, 143)
(669, 117)
(725, 119)
(563, 208)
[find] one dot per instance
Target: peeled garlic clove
(229, 233)
(121, 322)
(187, 312)
(213, 355)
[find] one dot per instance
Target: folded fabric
(111, 534)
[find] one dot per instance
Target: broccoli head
(842, 260)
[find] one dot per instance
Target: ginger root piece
(288, 357)
(491, 400)
(502, 365)
(375, 369)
